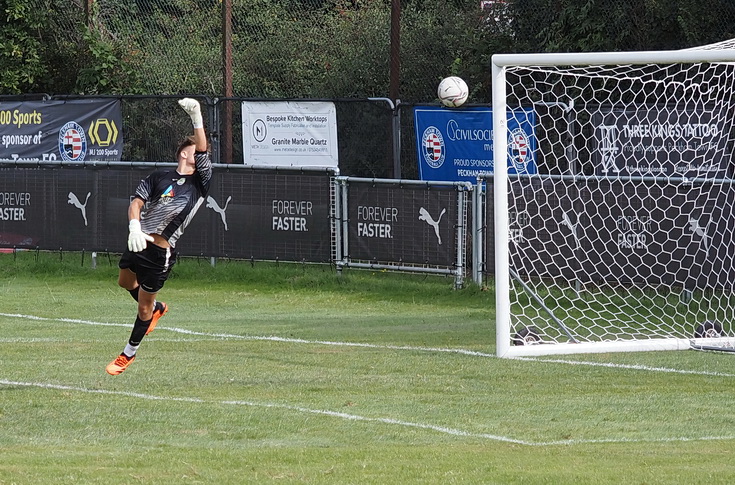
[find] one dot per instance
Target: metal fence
(346, 49)
(367, 131)
(252, 213)
(407, 225)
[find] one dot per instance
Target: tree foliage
(620, 25)
(110, 67)
(21, 51)
(321, 48)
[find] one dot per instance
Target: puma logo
(426, 217)
(699, 231)
(572, 227)
(212, 204)
(73, 200)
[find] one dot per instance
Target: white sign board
(289, 133)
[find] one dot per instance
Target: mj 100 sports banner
(61, 131)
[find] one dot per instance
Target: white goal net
(623, 238)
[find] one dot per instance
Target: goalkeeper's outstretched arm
(197, 159)
(193, 109)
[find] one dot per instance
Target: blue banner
(457, 144)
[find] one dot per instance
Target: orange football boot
(160, 310)
(118, 365)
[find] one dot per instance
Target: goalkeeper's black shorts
(151, 266)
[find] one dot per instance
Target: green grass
(292, 374)
(648, 311)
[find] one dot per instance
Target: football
(452, 91)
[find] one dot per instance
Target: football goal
(623, 237)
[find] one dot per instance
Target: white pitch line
(376, 346)
(32, 340)
(334, 414)
(628, 366)
(355, 417)
(256, 337)
(66, 320)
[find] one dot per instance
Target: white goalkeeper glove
(191, 106)
(137, 238)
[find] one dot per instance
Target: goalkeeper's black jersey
(171, 200)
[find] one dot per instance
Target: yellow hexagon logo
(109, 132)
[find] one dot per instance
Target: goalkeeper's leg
(150, 263)
(146, 305)
(152, 275)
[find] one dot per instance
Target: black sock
(134, 292)
(139, 330)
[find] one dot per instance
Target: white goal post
(624, 239)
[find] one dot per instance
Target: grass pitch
(293, 374)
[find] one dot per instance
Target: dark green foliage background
(320, 48)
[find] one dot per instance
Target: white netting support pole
(461, 238)
(500, 185)
(477, 221)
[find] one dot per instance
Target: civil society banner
(457, 144)
(52, 131)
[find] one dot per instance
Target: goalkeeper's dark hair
(186, 142)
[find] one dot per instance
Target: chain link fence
(153, 127)
(339, 50)
(342, 48)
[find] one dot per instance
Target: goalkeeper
(163, 205)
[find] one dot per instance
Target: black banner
(621, 232)
(261, 215)
(406, 224)
(54, 131)
(270, 215)
(544, 230)
(661, 141)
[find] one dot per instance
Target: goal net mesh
(625, 234)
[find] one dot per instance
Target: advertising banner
(247, 214)
(619, 231)
(55, 131)
(457, 144)
(411, 225)
(282, 217)
(657, 233)
(290, 133)
(660, 141)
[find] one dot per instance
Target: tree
(21, 50)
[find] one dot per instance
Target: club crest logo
(72, 142)
(519, 149)
(433, 144)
